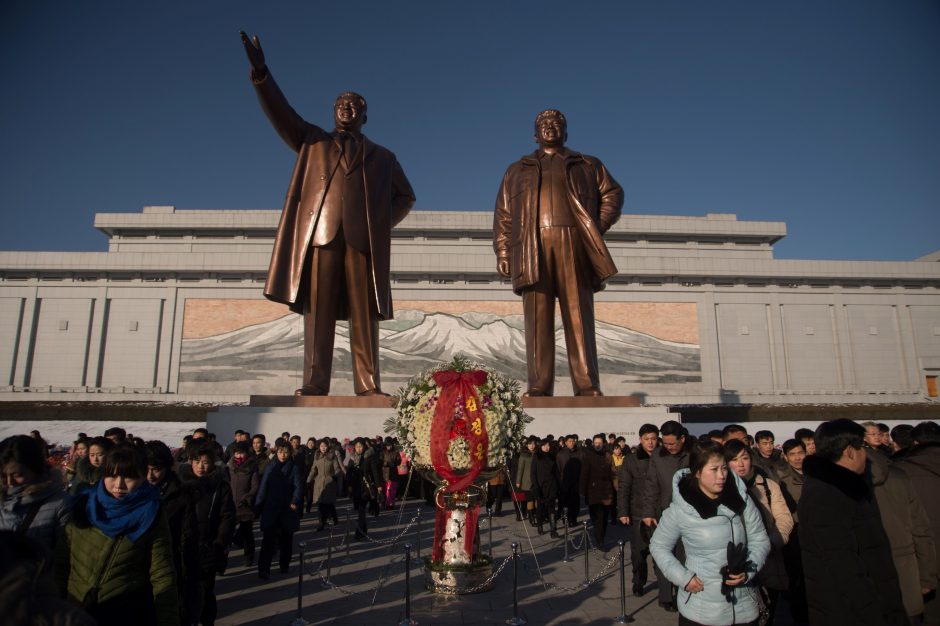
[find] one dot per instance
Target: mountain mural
(268, 357)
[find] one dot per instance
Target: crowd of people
(842, 522)
(837, 520)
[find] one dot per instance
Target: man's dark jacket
(215, 516)
(850, 576)
(631, 482)
(244, 480)
(597, 477)
(657, 495)
(773, 467)
(922, 465)
(281, 486)
(545, 478)
(179, 504)
(569, 468)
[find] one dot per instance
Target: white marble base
(354, 422)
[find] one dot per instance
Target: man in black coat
(630, 488)
(922, 465)
(672, 456)
(179, 504)
(364, 474)
(850, 576)
(597, 485)
(545, 486)
(215, 519)
(568, 460)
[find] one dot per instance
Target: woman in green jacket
(114, 557)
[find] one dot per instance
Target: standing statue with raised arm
(552, 211)
(332, 251)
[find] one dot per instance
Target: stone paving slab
(244, 599)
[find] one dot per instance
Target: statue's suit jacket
(388, 199)
(596, 200)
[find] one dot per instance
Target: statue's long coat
(388, 194)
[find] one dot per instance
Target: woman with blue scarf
(115, 555)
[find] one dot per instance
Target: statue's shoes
(309, 391)
(534, 393)
(591, 392)
(372, 392)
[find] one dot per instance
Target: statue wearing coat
(552, 211)
(333, 246)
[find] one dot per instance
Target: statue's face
(348, 113)
(551, 132)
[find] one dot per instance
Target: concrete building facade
(700, 313)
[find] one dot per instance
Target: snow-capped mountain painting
(267, 357)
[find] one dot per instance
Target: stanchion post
(299, 619)
(567, 558)
(489, 522)
(329, 561)
(347, 559)
(587, 549)
(515, 620)
(408, 621)
(624, 618)
(418, 537)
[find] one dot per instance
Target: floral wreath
(486, 420)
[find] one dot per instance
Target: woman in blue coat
(724, 539)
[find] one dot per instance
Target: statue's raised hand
(254, 52)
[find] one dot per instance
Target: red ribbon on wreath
(465, 421)
(452, 421)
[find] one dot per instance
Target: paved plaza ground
(359, 598)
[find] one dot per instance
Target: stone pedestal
(324, 402)
(353, 416)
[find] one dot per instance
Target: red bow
(464, 420)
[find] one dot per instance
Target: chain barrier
(395, 539)
(476, 588)
(576, 546)
(383, 576)
(391, 546)
(596, 552)
(609, 562)
(330, 584)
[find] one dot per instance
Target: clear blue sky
(824, 114)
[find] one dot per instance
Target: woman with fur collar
(33, 500)
(724, 539)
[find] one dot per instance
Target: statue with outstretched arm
(333, 246)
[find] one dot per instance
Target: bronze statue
(333, 245)
(552, 211)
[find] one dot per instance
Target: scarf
(749, 478)
(131, 516)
